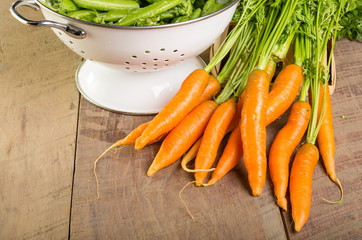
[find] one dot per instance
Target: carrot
(283, 146)
(253, 130)
(325, 138)
(212, 88)
(212, 137)
(177, 108)
(230, 157)
(300, 186)
(284, 90)
(183, 136)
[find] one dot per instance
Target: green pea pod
(106, 5)
(68, 6)
(212, 6)
(113, 15)
(148, 11)
(196, 13)
(85, 15)
(180, 19)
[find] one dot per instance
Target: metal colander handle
(70, 30)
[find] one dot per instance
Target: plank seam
(74, 164)
(284, 224)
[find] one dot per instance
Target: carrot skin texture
(283, 147)
(213, 134)
(284, 90)
(325, 137)
(253, 129)
(183, 136)
(212, 88)
(300, 185)
(230, 157)
(177, 108)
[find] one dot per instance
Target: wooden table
(50, 137)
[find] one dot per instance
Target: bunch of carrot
(238, 103)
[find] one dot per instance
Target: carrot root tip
(282, 202)
(212, 181)
(256, 192)
(340, 201)
(184, 203)
(118, 143)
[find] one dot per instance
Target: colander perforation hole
(144, 64)
(182, 55)
(60, 33)
(70, 42)
(147, 51)
(167, 60)
(82, 52)
(162, 50)
(134, 57)
(127, 63)
(127, 67)
(155, 59)
(175, 50)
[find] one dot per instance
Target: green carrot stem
(250, 8)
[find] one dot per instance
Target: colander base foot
(115, 89)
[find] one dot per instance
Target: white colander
(132, 69)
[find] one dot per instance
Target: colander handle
(70, 30)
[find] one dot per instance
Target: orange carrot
(178, 107)
(212, 88)
(283, 146)
(183, 136)
(230, 157)
(253, 130)
(284, 90)
(212, 137)
(300, 185)
(325, 137)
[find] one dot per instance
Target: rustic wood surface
(50, 138)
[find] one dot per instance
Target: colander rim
(169, 25)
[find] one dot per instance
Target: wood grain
(39, 143)
(132, 205)
(38, 115)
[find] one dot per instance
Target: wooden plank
(331, 221)
(134, 206)
(38, 115)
